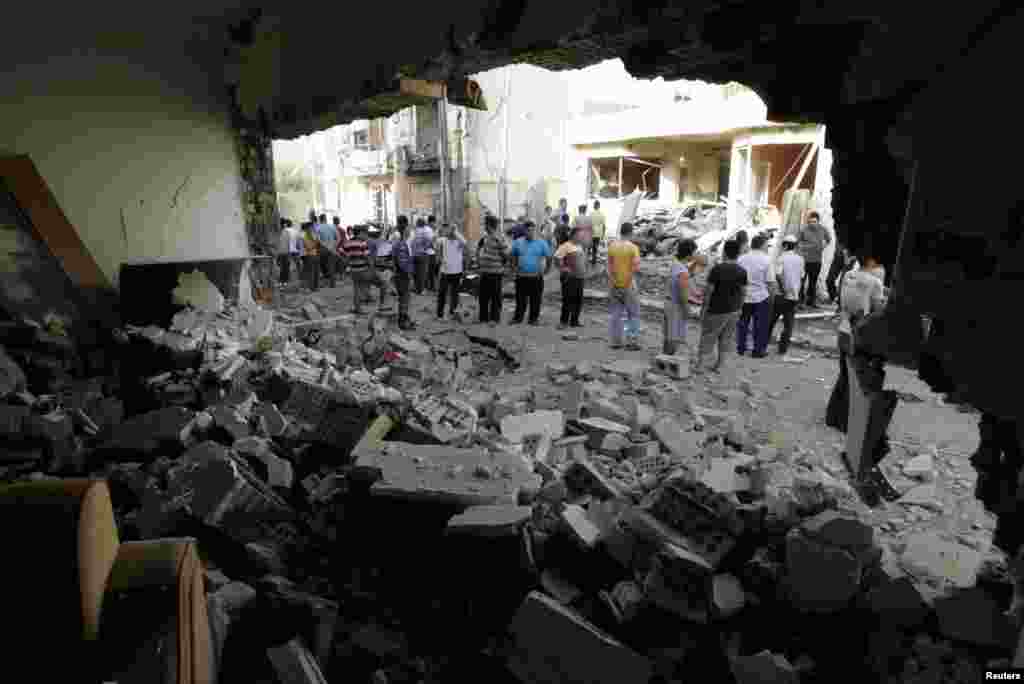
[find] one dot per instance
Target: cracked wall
(140, 156)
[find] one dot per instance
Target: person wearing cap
(789, 274)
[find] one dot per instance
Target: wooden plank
(50, 224)
(419, 88)
(34, 197)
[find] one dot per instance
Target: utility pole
(503, 183)
(446, 175)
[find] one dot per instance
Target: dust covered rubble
(653, 533)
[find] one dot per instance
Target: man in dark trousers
(720, 313)
(790, 273)
(813, 239)
(532, 259)
(451, 251)
(402, 258)
(491, 256)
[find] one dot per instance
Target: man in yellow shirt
(624, 306)
(598, 220)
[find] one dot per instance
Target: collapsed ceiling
(309, 70)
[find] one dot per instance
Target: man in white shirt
(757, 301)
(789, 276)
(862, 295)
(287, 249)
(450, 257)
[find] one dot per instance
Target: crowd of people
(740, 299)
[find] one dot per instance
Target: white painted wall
(538, 110)
(141, 160)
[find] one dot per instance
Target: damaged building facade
(142, 137)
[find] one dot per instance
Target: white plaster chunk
(195, 289)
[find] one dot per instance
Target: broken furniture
(101, 607)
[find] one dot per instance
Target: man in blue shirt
(328, 236)
(532, 259)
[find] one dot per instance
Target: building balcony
(363, 162)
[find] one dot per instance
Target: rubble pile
(350, 490)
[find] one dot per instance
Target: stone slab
(438, 473)
(490, 521)
(556, 644)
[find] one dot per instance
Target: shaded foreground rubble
(368, 507)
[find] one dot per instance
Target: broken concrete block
(558, 587)
(634, 371)
(54, 426)
(311, 311)
(148, 432)
(554, 643)
(722, 476)
(213, 486)
(584, 370)
(195, 289)
(898, 603)
(582, 476)
(832, 527)
(974, 617)
(501, 410)
(273, 420)
(930, 554)
(642, 452)
(490, 521)
(764, 668)
(12, 420)
(681, 444)
(229, 420)
(294, 664)
(614, 443)
(556, 369)
(607, 409)
(572, 400)
(641, 416)
(553, 492)
(727, 595)
(12, 377)
(580, 526)
(921, 467)
(465, 477)
(822, 578)
(677, 367)
(261, 324)
(516, 428)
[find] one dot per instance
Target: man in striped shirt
(356, 252)
(491, 255)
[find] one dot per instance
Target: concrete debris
(490, 521)
(12, 377)
(516, 428)
(974, 617)
(825, 561)
(930, 555)
(921, 467)
(298, 450)
(461, 476)
(195, 289)
(554, 643)
(764, 668)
